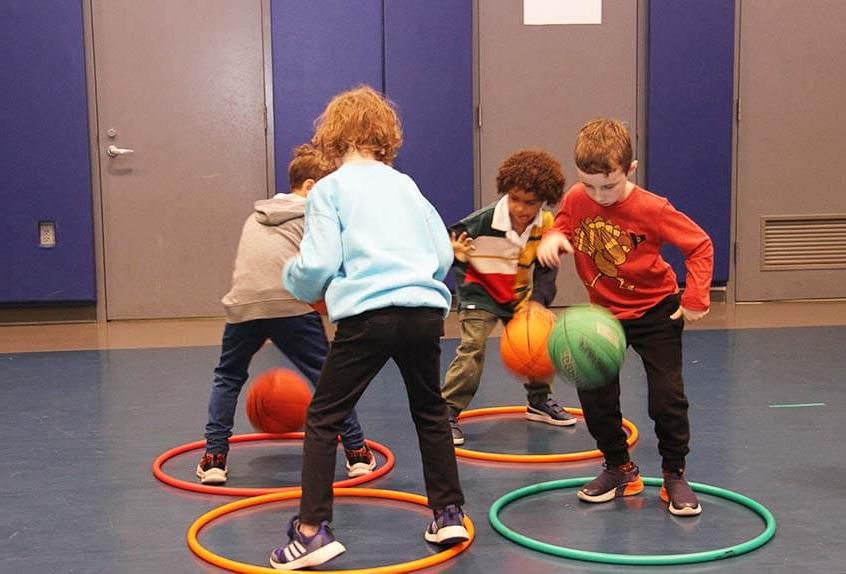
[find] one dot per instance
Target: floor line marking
(797, 405)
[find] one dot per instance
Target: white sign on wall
(546, 12)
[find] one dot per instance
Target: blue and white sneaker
(448, 526)
(304, 552)
(549, 412)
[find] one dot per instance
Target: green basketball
(587, 345)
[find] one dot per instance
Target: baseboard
(46, 314)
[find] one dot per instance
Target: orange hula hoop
(241, 567)
(534, 458)
(254, 491)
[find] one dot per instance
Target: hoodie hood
(270, 237)
(280, 208)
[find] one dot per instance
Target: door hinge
(737, 110)
(479, 116)
(734, 253)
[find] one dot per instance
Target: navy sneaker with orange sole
(676, 492)
(623, 480)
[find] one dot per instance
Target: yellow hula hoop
(241, 567)
(534, 458)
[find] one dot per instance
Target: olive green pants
(465, 371)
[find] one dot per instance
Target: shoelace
(209, 460)
(359, 455)
(294, 528)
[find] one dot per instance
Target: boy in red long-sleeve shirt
(615, 230)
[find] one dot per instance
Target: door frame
(94, 151)
(731, 284)
(269, 129)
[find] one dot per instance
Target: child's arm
(555, 241)
(306, 276)
(462, 245)
(679, 230)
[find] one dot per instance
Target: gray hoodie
(270, 237)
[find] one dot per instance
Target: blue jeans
(301, 339)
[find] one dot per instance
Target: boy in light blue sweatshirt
(377, 251)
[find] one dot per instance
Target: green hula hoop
(633, 559)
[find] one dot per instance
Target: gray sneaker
(457, 433)
(551, 413)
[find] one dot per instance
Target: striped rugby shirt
(501, 274)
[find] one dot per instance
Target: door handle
(114, 151)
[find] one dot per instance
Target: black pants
(658, 341)
(363, 344)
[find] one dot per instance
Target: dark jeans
(658, 341)
(301, 339)
(363, 344)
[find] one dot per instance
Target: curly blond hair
(603, 146)
(308, 163)
(534, 171)
(361, 119)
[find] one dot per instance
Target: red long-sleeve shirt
(618, 251)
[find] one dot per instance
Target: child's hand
(690, 315)
(551, 247)
(462, 246)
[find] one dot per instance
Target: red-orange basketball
(277, 401)
(523, 343)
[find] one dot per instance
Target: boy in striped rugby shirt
(496, 276)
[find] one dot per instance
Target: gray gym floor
(81, 428)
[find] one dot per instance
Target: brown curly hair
(603, 146)
(360, 118)
(308, 163)
(534, 171)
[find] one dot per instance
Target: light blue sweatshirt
(371, 241)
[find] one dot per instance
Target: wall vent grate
(806, 242)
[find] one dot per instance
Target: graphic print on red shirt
(608, 246)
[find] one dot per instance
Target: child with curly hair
(496, 276)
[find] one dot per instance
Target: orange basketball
(277, 401)
(523, 343)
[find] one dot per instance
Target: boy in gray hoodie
(259, 308)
